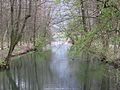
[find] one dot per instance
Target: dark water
(54, 70)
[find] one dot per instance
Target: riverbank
(19, 50)
(109, 58)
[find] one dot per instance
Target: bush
(40, 43)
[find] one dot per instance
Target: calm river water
(55, 70)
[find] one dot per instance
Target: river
(55, 70)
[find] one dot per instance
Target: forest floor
(19, 49)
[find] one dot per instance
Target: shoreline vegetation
(18, 51)
(108, 56)
(26, 48)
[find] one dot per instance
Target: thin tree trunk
(83, 16)
(1, 25)
(34, 33)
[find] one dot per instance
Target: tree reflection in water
(34, 72)
(94, 75)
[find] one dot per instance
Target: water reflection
(54, 70)
(63, 76)
(94, 75)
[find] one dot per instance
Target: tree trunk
(83, 16)
(34, 30)
(16, 32)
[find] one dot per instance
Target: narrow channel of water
(54, 70)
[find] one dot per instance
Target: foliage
(2, 62)
(57, 1)
(106, 30)
(41, 42)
